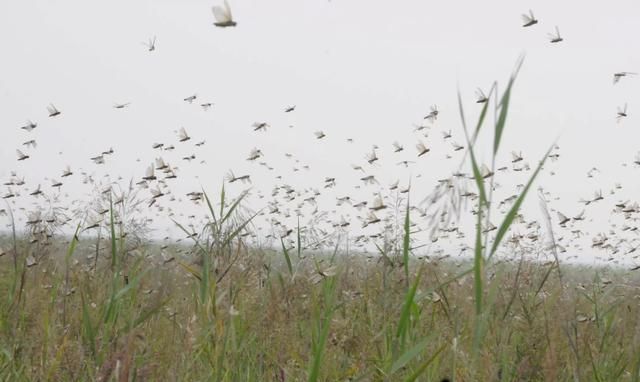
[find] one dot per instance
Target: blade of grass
(210, 206)
(406, 243)
(285, 252)
(89, 333)
(478, 264)
(511, 215)
(405, 314)
(114, 257)
(329, 284)
(409, 355)
(425, 365)
(504, 108)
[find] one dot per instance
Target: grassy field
(325, 318)
(218, 309)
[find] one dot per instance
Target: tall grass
(223, 311)
(486, 247)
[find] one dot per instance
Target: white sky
(366, 70)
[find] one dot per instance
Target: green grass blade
(238, 229)
(406, 243)
(72, 245)
(403, 323)
(88, 328)
(222, 200)
(483, 114)
(325, 323)
(409, 355)
(413, 377)
(147, 314)
(504, 108)
(114, 256)
(383, 254)
(210, 206)
(511, 215)
(477, 176)
(285, 252)
(299, 240)
(233, 206)
(132, 284)
(478, 264)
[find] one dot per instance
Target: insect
(422, 149)
(516, 157)
(170, 174)
(405, 163)
(182, 135)
(554, 38)
(30, 143)
(99, 159)
(29, 126)
(21, 155)
(156, 192)
(319, 134)
(480, 96)
(191, 98)
(53, 111)
(371, 219)
(369, 179)
(597, 196)
(359, 168)
(378, 204)
(149, 173)
(579, 217)
(34, 217)
(619, 75)
(529, 19)
(397, 147)
(254, 154)
(223, 16)
(563, 219)
(121, 105)
(232, 178)
(622, 112)
(151, 45)
(289, 109)
(372, 157)
(260, 126)
(485, 172)
(36, 192)
(433, 113)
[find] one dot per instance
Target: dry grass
(261, 323)
(223, 311)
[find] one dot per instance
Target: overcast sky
(366, 70)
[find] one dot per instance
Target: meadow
(258, 315)
(215, 307)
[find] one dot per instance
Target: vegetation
(218, 309)
(260, 323)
